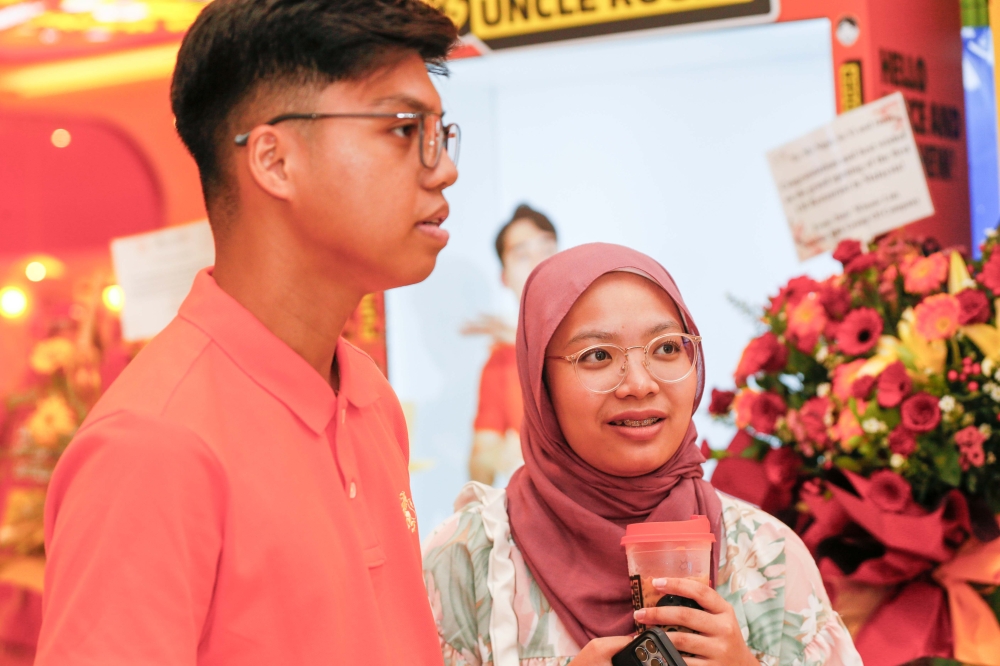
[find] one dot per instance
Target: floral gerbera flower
(937, 316)
(806, 322)
(859, 332)
(926, 274)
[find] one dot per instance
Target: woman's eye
(668, 348)
(596, 356)
(405, 131)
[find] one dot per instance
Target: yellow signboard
(490, 19)
(504, 23)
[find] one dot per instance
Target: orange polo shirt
(222, 506)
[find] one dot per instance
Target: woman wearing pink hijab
(536, 576)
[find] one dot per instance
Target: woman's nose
(638, 382)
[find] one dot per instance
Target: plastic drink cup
(679, 549)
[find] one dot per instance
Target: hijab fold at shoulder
(567, 517)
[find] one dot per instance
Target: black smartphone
(650, 648)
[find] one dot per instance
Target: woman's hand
(719, 641)
(599, 651)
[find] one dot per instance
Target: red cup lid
(696, 529)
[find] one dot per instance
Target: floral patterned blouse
(766, 573)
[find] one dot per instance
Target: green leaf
(946, 462)
(848, 463)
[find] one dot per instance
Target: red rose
(836, 300)
(809, 424)
(846, 251)
(889, 491)
(763, 354)
(781, 466)
(862, 387)
(920, 413)
(902, 441)
(793, 292)
(766, 410)
(859, 332)
(990, 275)
(975, 307)
(721, 402)
(861, 263)
(894, 384)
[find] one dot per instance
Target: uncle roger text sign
(508, 23)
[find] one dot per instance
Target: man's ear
(268, 152)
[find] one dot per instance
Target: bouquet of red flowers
(869, 420)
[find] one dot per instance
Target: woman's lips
(638, 430)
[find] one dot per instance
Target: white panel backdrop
(651, 141)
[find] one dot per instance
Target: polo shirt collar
(271, 363)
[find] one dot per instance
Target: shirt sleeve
(134, 524)
(491, 414)
(456, 587)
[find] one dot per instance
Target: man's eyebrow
(404, 100)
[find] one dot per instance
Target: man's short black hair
(524, 212)
(237, 49)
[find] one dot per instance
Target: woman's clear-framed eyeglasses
(435, 136)
(669, 358)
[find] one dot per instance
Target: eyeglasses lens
(670, 358)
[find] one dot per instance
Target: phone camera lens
(656, 662)
(642, 654)
(650, 646)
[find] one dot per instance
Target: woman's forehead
(620, 305)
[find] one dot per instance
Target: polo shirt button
(354, 490)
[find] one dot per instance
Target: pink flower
(847, 425)
(763, 354)
(926, 274)
(990, 275)
(793, 292)
(806, 322)
(861, 263)
(835, 299)
(721, 402)
(765, 412)
(847, 250)
(862, 387)
(809, 423)
(975, 307)
(937, 316)
(859, 332)
(889, 491)
(969, 437)
(781, 467)
(920, 413)
(902, 441)
(844, 376)
(894, 384)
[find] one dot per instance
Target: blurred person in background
(528, 239)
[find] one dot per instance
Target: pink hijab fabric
(566, 517)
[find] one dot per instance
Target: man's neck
(305, 308)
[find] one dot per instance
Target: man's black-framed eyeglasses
(435, 136)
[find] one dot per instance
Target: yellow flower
(958, 275)
(51, 355)
(925, 355)
(51, 420)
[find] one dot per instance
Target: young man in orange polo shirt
(240, 495)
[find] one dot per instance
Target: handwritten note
(156, 271)
(857, 177)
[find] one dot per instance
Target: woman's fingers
(700, 646)
(706, 597)
(678, 616)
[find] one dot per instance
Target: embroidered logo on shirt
(409, 511)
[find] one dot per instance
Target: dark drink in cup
(679, 549)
